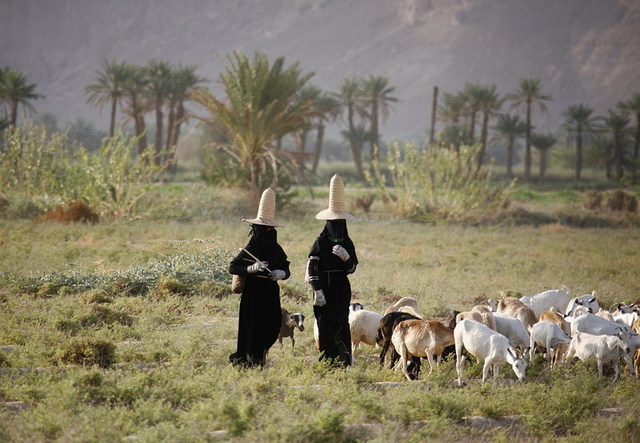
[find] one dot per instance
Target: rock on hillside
(585, 51)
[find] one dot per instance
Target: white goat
(544, 301)
(421, 338)
(513, 329)
(588, 301)
(626, 318)
(604, 348)
(592, 324)
(364, 328)
(487, 345)
(549, 335)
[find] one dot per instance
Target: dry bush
(72, 212)
(622, 201)
(593, 200)
(87, 351)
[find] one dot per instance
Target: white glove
(340, 252)
(278, 274)
(257, 267)
(318, 298)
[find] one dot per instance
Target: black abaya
(260, 314)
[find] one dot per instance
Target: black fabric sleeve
(313, 266)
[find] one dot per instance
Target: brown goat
(421, 338)
(513, 307)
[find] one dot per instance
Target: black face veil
(336, 231)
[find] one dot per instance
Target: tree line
(265, 101)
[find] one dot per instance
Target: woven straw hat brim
(263, 222)
(327, 214)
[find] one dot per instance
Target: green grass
(156, 290)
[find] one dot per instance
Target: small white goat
(604, 348)
(549, 335)
(364, 328)
(513, 329)
(421, 338)
(485, 344)
(544, 301)
(481, 317)
(592, 324)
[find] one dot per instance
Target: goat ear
(591, 300)
(511, 353)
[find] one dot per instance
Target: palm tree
(616, 125)
(136, 104)
(633, 106)
(357, 136)
(260, 107)
(473, 93)
(376, 96)
(16, 91)
(350, 96)
(452, 109)
(159, 76)
(109, 88)
(328, 109)
(543, 143)
(529, 93)
(578, 120)
(489, 104)
(183, 81)
(509, 128)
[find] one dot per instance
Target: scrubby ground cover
(121, 330)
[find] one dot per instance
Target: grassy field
(149, 300)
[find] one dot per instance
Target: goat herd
(502, 330)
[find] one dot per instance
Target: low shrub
(87, 351)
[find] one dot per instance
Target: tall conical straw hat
(266, 210)
(337, 204)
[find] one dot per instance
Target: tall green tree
(616, 125)
(136, 104)
(260, 106)
(159, 77)
(16, 91)
(508, 129)
(474, 94)
(543, 143)
(633, 106)
(452, 109)
(350, 96)
(377, 98)
(109, 88)
(489, 105)
(328, 109)
(529, 94)
(183, 80)
(579, 122)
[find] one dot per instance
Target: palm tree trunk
(112, 120)
(434, 110)
(139, 129)
(636, 146)
(578, 154)
(255, 179)
(510, 158)
(483, 140)
(318, 151)
(159, 125)
(527, 153)
(356, 150)
(618, 154)
(14, 114)
(375, 137)
(543, 164)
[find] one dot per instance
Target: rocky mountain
(584, 51)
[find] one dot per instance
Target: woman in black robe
(260, 314)
(331, 259)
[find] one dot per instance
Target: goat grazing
(589, 301)
(549, 335)
(485, 344)
(604, 348)
(404, 301)
(386, 326)
(290, 322)
(421, 338)
(513, 329)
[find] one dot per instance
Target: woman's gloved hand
(340, 252)
(278, 274)
(257, 267)
(318, 298)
